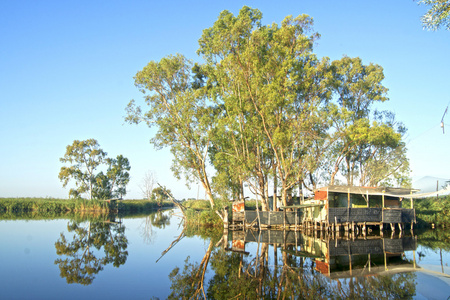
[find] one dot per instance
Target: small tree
(159, 194)
(85, 157)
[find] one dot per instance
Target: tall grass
(53, 207)
(138, 206)
(199, 213)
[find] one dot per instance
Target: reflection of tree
(237, 276)
(83, 254)
(189, 284)
(157, 219)
(396, 286)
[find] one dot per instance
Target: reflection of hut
(362, 257)
(335, 206)
(337, 257)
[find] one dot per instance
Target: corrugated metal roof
(389, 191)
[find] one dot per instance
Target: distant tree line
(263, 110)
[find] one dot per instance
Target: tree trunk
(275, 184)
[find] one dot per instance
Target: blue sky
(67, 67)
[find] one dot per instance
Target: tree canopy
(262, 109)
(84, 159)
(437, 16)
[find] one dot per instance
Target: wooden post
(225, 217)
(382, 213)
(295, 211)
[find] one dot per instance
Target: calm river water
(127, 259)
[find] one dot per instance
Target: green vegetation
(432, 211)
(437, 16)
(196, 204)
(138, 206)
(45, 205)
(199, 212)
(263, 110)
(49, 208)
(84, 158)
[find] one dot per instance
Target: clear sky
(67, 67)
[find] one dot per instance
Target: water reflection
(94, 244)
(159, 219)
(289, 264)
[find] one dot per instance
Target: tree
(159, 194)
(183, 118)
(263, 109)
(268, 83)
(146, 187)
(85, 157)
(437, 16)
(356, 136)
(113, 183)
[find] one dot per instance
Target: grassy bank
(140, 206)
(47, 207)
(50, 205)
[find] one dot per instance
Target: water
(124, 260)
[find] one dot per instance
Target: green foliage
(206, 217)
(251, 204)
(84, 157)
(263, 107)
(137, 206)
(159, 194)
(18, 205)
(433, 211)
(437, 16)
(184, 121)
(197, 204)
(364, 145)
(49, 208)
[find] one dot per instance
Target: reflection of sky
(431, 258)
(432, 286)
(27, 254)
(27, 269)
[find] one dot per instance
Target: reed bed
(55, 207)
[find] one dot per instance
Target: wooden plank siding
(360, 214)
(273, 218)
(372, 246)
(343, 214)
